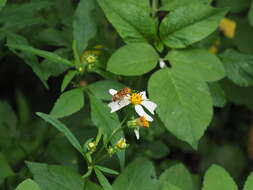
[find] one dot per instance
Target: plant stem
(87, 174)
(154, 7)
(99, 135)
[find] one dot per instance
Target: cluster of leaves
(56, 38)
(140, 173)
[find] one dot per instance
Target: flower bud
(111, 151)
(162, 64)
(91, 59)
(121, 144)
(91, 146)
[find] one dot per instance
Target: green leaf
(150, 149)
(140, 174)
(170, 5)
(211, 152)
(218, 94)
(242, 39)
(68, 103)
(131, 19)
(62, 128)
(92, 186)
(2, 3)
(234, 93)
(217, 178)
(133, 59)
(249, 182)
(184, 102)
(250, 14)
(28, 184)
(16, 16)
(239, 67)
(30, 59)
(106, 170)
(109, 122)
(45, 54)
(234, 6)
(100, 89)
(6, 170)
(84, 25)
(102, 180)
(168, 186)
(54, 177)
(178, 176)
(190, 24)
(8, 116)
(67, 79)
(23, 107)
(54, 37)
(201, 61)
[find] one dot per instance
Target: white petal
(151, 106)
(137, 133)
(143, 95)
(139, 110)
(113, 92)
(117, 105)
(162, 64)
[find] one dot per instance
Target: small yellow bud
(91, 146)
(111, 151)
(213, 49)
(228, 27)
(99, 47)
(121, 144)
(80, 69)
(91, 59)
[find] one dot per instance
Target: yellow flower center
(228, 27)
(135, 98)
(121, 144)
(142, 121)
(91, 59)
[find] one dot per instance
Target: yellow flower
(135, 98)
(228, 27)
(121, 144)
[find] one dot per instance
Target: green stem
(88, 173)
(154, 7)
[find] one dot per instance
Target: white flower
(138, 100)
(117, 105)
(137, 132)
(162, 63)
(140, 122)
